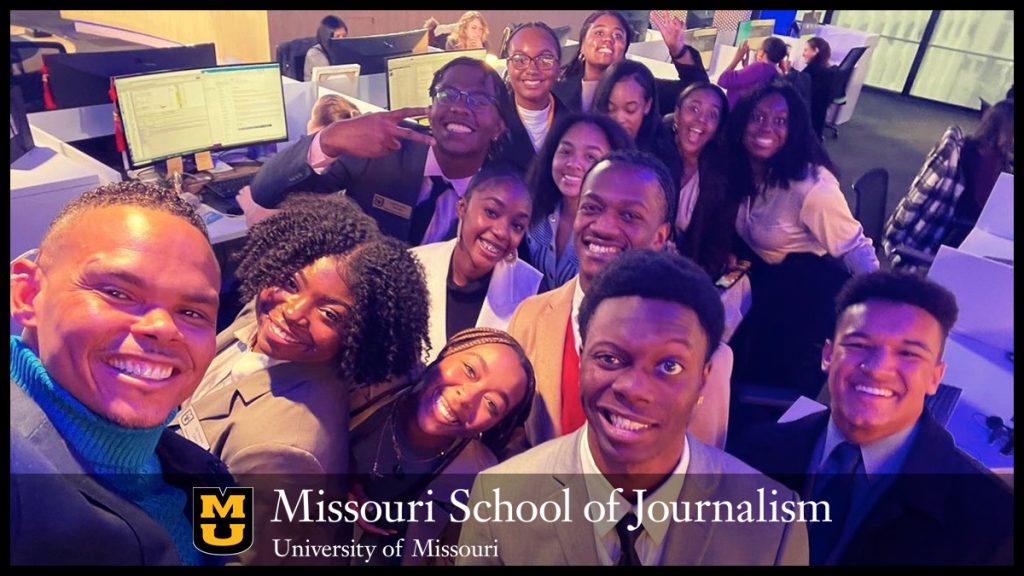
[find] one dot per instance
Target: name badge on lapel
(392, 206)
(192, 429)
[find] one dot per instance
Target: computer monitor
(21, 134)
(83, 78)
(703, 40)
(372, 52)
(409, 77)
(754, 32)
(169, 114)
(699, 19)
(809, 23)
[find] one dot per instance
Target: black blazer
(570, 88)
(518, 148)
(61, 515)
(386, 188)
(944, 508)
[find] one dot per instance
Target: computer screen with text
(168, 114)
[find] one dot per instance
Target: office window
(970, 56)
(899, 32)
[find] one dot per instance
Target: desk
(986, 377)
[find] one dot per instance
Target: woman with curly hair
(425, 441)
(332, 305)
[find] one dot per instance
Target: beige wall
(240, 35)
(288, 24)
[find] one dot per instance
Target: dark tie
(424, 212)
(837, 484)
(627, 539)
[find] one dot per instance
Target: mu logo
(222, 520)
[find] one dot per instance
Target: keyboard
(229, 187)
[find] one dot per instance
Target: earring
(458, 229)
(511, 256)
(700, 400)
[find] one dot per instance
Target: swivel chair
(841, 78)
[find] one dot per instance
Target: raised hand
(372, 135)
(673, 30)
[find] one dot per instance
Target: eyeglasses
(474, 100)
(521, 61)
(999, 432)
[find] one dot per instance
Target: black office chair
(292, 56)
(26, 70)
(841, 79)
(872, 190)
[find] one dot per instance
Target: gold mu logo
(222, 520)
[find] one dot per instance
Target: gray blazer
(542, 473)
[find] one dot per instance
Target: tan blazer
(539, 325)
(511, 283)
(543, 474)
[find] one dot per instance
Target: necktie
(423, 213)
(627, 539)
(836, 484)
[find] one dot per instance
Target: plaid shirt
(924, 216)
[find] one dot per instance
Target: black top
(464, 304)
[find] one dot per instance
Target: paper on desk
(984, 293)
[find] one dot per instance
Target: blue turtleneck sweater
(122, 459)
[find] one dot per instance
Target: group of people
(557, 312)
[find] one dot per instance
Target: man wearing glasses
(408, 181)
(899, 490)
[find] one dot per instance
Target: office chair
(26, 70)
(841, 78)
(872, 190)
(292, 56)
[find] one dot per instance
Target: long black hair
(545, 192)
(575, 68)
(797, 158)
(619, 71)
(326, 31)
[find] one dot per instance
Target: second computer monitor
(754, 32)
(83, 78)
(409, 77)
(372, 52)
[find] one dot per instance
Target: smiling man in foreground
(646, 356)
(120, 312)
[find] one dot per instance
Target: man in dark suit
(119, 324)
(899, 490)
(407, 181)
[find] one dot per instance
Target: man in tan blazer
(627, 202)
(632, 487)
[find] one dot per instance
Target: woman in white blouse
(805, 242)
(476, 279)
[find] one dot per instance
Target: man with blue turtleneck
(119, 313)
